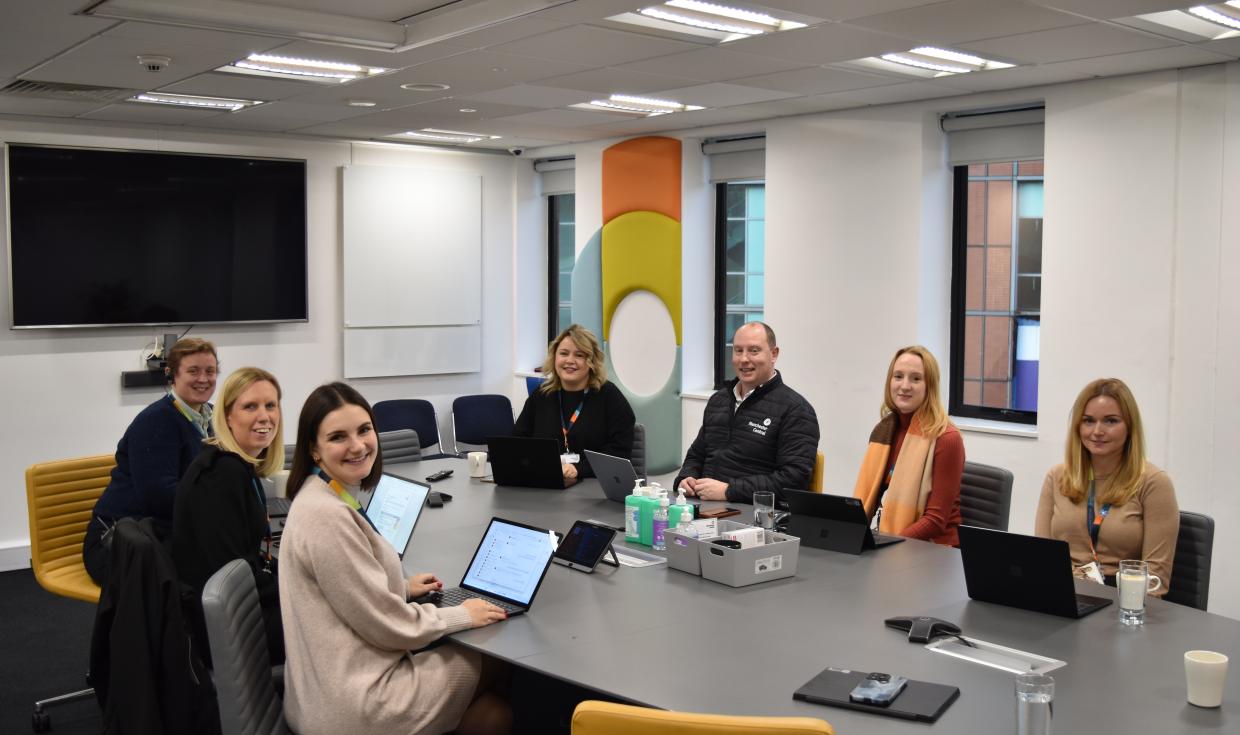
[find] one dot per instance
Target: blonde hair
(1078, 465)
(234, 385)
(586, 342)
(931, 415)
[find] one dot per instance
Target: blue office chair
(475, 418)
(411, 413)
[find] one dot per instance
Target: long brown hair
(931, 415)
(1078, 465)
(322, 401)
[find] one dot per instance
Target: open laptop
(832, 522)
(615, 474)
(1023, 571)
(507, 569)
(523, 461)
(394, 508)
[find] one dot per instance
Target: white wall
(61, 388)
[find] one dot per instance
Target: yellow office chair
(606, 718)
(59, 498)
(815, 480)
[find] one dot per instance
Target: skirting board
(388, 351)
(14, 556)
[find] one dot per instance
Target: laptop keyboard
(457, 595)
(278, 506)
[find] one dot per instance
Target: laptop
(832, 522)
(1023, 571)
(394, 508)
(507, 569)
(523, 461)
(615, 474)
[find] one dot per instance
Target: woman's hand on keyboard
(422, 584)
(483, 613)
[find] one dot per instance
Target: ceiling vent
(59, 91)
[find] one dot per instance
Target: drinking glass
(1034, 694)
(764, 513)
(1134, 581)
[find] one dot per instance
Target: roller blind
(985, 137)
(736, 159)
(558, 175)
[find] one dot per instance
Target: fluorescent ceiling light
(721, 23)
(644, 106)
(313, 70)
(193, 101)
(448, 136)
(940, 61)
(1210, 22)
(1218, 15)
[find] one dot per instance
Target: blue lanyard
(565, 428)
(1094, 521)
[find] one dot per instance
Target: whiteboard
(412, 247)
(372, 353)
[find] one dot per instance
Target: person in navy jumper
(160, 443)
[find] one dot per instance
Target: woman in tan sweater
(352, 637)
(1106, 500)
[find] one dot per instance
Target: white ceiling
(519, 77)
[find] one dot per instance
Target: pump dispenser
(680, 509)
(659, 525)
(632, 512)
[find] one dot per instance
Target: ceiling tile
(451, 108)
(1141, 61)
(617, 81)
(837, 10)
(712, 64)
(518, 28)
(389, 10)
(1228, 46)
(36, 106)
(822, 44)
(140, 113)
(220, 84)
(890, 94)
(113, 62)
(32, 31)
(1065, 44)
(301, 110)
(960, 21)
(1107, 9)
(719, 94)
(371, 57)
(173, 37)
(1021, 76)
(531, 95)
(564, 118)
(593, 46)
(816, 80)
(265, 124)
(586, 11)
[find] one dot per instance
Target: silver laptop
(507, 569)
(615, 474)
(394, 509)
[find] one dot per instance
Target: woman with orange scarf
(910, 476)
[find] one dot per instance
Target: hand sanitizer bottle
(685, 527)
(679, 510)
(632, 513)
(659, 525)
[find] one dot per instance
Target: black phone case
(922, 701)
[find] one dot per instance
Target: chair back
(639, 449)
(815, 479)
(60, 497)
(474, 418)
(607, 718)
(985, 496)
(1190, 571)
(401, 445)
(288, 455)
(409, 413)
(247, 696)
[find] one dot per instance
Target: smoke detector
(154, 63)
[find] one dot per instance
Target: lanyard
(189, 415)
(1094, 520)
(565, 428)
(345, 496)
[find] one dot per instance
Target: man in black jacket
(757, 433)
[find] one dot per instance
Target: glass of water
(764, 513)
(1034, 693)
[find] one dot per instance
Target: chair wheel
(41, 721)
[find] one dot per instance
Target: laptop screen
(510, 561)
(394, 509)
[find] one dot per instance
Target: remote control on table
(440, 475)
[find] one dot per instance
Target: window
(996, 290)
(561, 255)
(740, 250)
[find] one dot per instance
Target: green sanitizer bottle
(632, 513)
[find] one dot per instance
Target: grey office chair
(247, 695)
(288, 456)
(1190, 571)
(985, 496)
(639, 450)
(401, 445)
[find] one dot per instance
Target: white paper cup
(477, 464)
(279, 484)
(1205, 671)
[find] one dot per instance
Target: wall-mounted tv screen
(106, 237)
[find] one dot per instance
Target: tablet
(584, 546)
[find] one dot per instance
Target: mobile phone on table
(724, 512)
(878, 689)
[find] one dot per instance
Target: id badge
(1090, 571)
(570, 458)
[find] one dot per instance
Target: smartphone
(878, 689)
(717, 512)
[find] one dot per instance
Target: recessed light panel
(437, 135)
(633, 105)
(309, 70)
(931, 61)
(223, 104)
(719, 22)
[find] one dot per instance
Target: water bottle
(659, 525)
(1034, 693)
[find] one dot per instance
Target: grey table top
(667, 639)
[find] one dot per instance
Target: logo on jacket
(767, 422)
(759, 429)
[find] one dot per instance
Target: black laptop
(832, 522)
(1023, 571)
(523, 461)
(507, 569)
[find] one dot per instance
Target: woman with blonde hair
(577, 406)
(221, 508)
(1106, 500)
(910, 475)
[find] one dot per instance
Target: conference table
(663, 638)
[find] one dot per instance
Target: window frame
(553, 261)
(959, 278)
(723, 366)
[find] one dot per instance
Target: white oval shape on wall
(643, 343)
